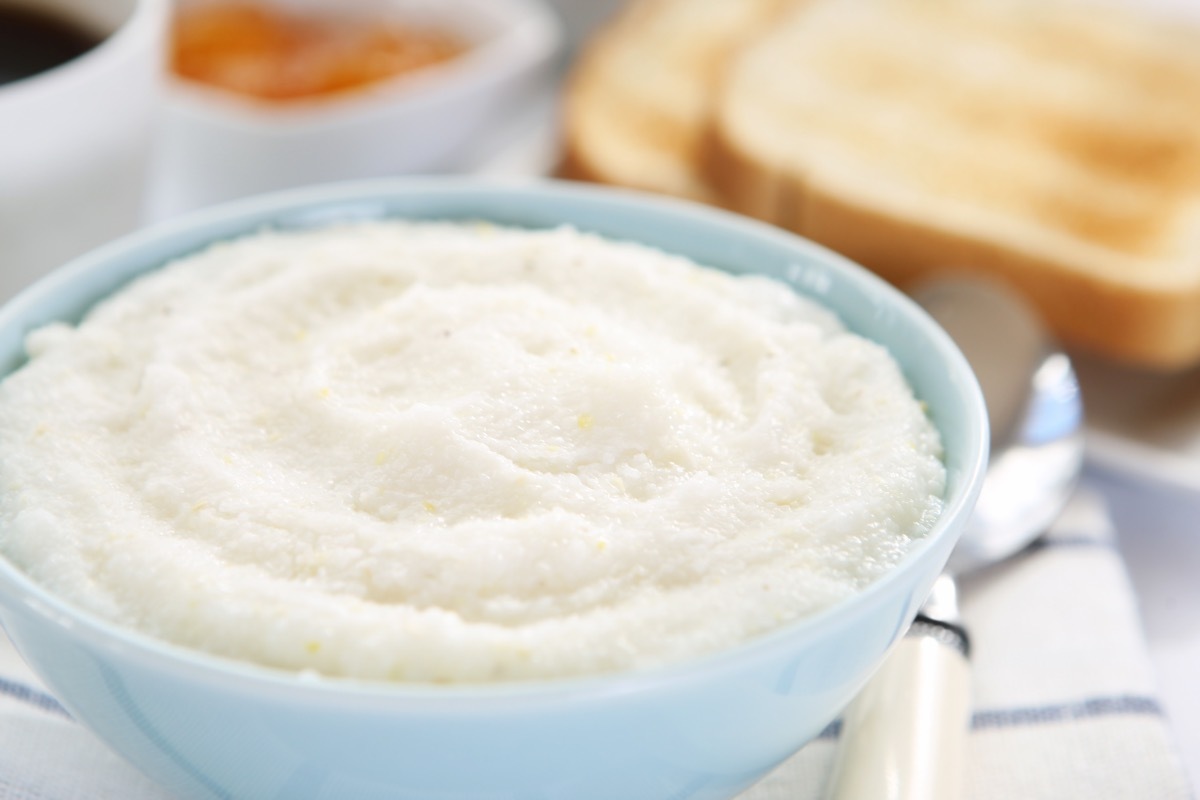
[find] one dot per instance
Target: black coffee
(32, 41)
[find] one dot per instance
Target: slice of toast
(637, 97)
(1053, 145)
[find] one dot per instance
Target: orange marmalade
(269, 53)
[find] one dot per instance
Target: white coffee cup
(75, 140)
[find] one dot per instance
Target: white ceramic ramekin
(216, 146)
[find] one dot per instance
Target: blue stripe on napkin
(990, 719)
(31, 696)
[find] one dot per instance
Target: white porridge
(444, 452)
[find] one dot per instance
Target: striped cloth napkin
(1064, 695)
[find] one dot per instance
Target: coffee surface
(33, 41)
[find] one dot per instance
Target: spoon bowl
(1034, 410)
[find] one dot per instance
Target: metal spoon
(903, 737)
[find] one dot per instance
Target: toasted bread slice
(1053, 145)
(637, 97)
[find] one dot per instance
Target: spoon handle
(904, 736)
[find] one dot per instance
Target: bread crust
(640, 136)
(1123, 321)
(592, 97)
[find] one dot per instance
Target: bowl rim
(366, 199)
(528, 34)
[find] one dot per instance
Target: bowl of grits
(442, 488)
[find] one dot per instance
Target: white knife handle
(904, 736)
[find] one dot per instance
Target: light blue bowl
(708, 728)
